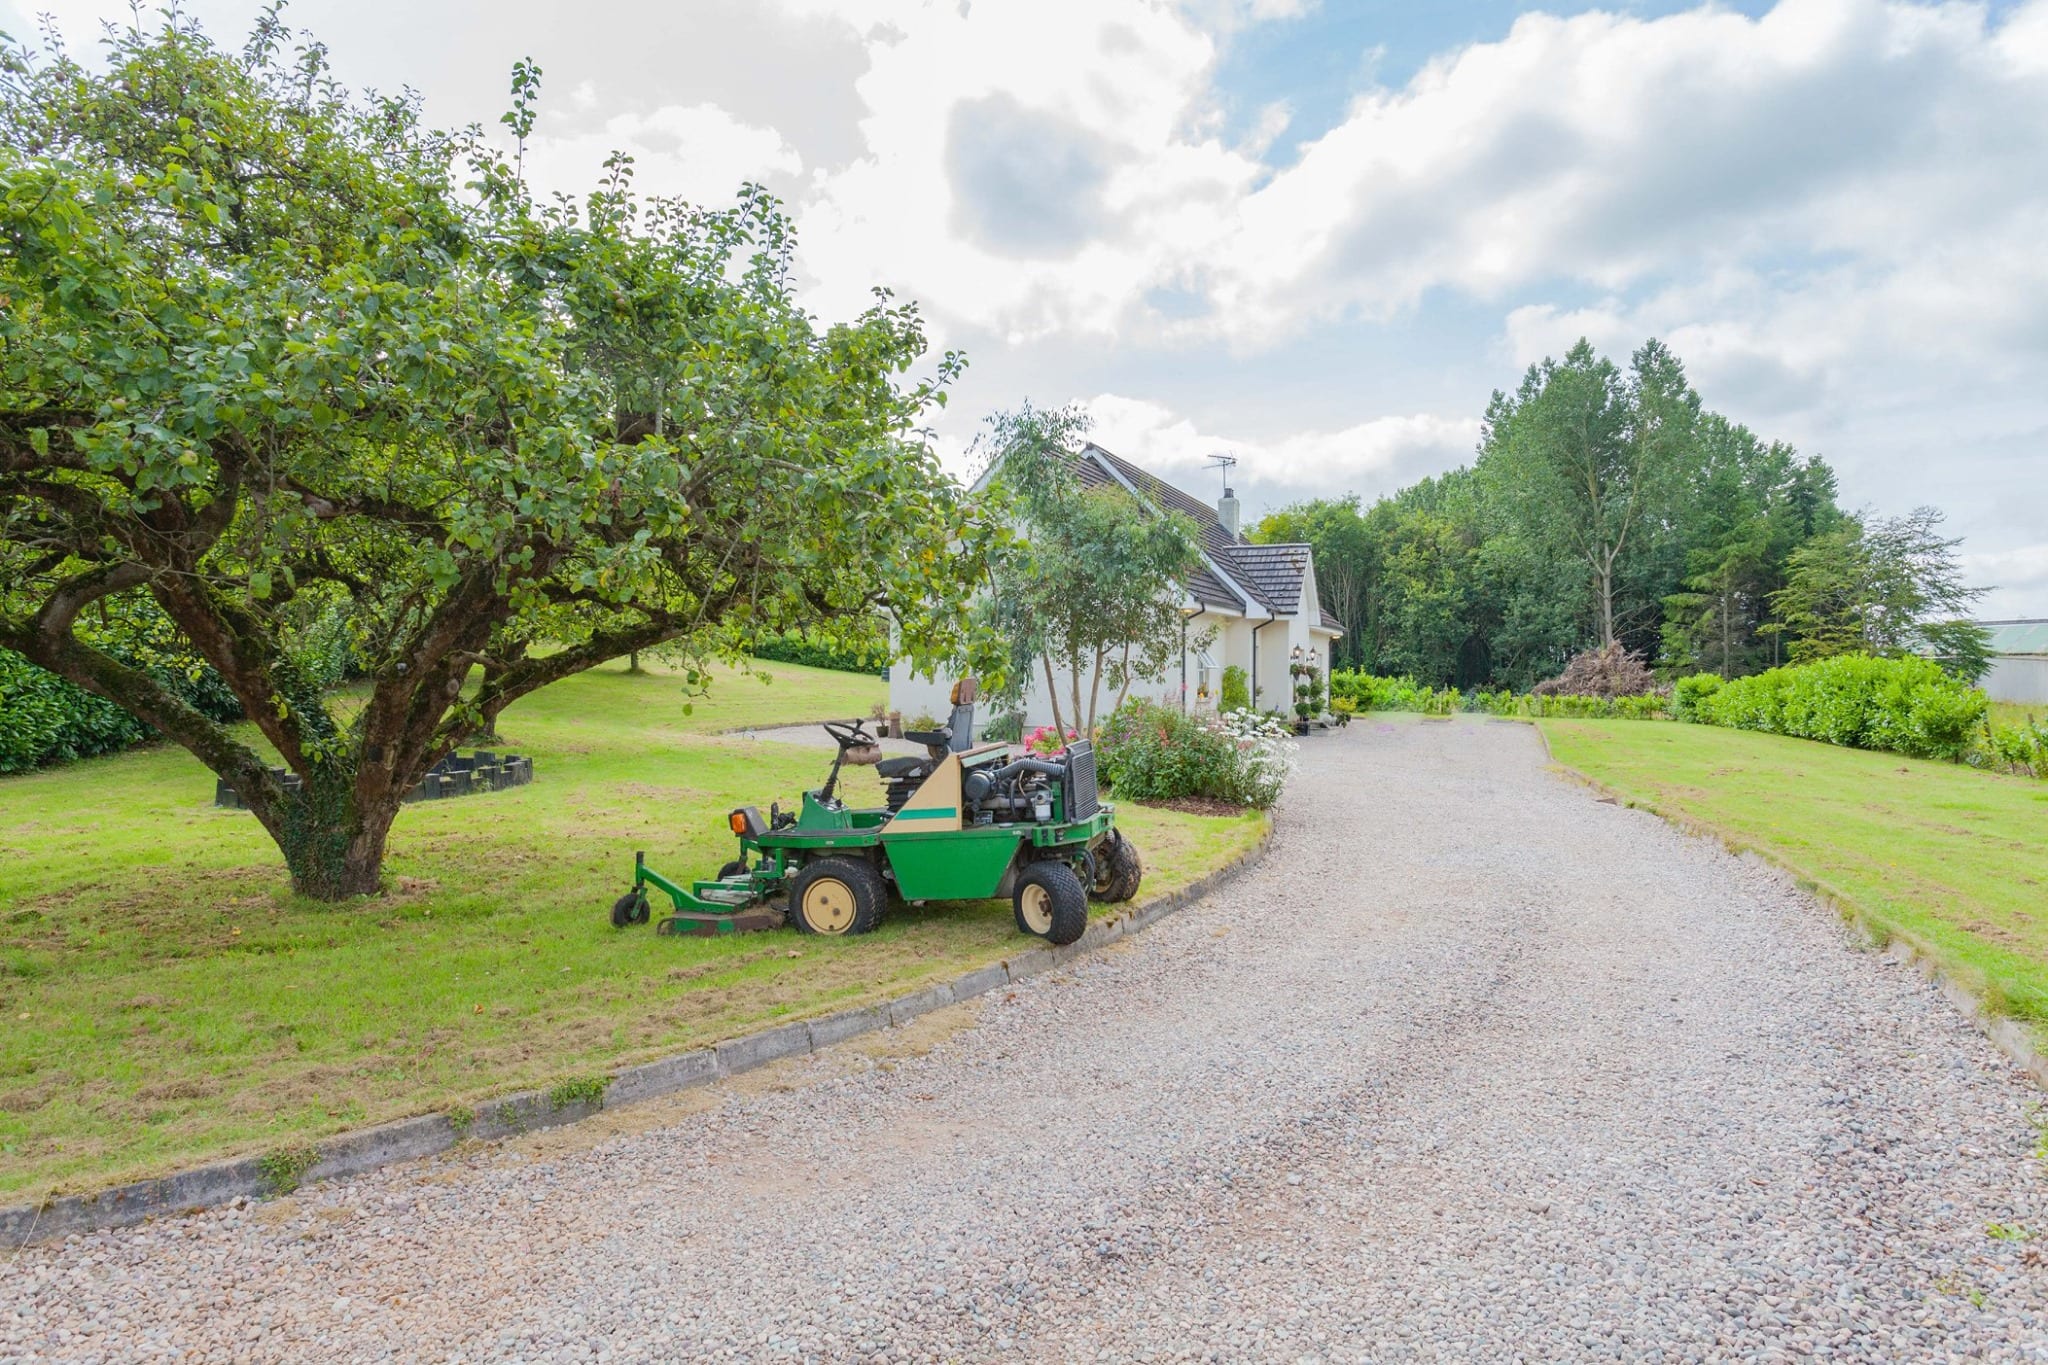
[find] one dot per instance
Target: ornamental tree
(270, 351)
(1093, 584)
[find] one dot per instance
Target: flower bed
(1149, 752)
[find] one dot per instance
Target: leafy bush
(1609, 671)
(1047, 742)
(1149, 752)
(1368, 692)
(1651, 706)
(2017, 748)
(45, 720)
(1237, 692)
(793, 647)
(1690, 693)
(329, 649)
(1365, 692)
(1907, 706)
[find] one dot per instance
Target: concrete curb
(369, 1149)
(2008, 1035)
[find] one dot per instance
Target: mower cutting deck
(964, 822)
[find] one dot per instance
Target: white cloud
(1376, 454)
(700, 151)
(1900, 142)
(999, 129)
(2018, 579)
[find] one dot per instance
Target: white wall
(1230, 645)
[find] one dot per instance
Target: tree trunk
(1052, 693)
(1094, 695)
(333, 845)
(1074, 680)
(1727, 645)
(633, 662)
(1124, 692)
(1603, 588)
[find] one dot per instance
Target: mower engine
(1017, 793)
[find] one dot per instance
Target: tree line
(1609, 505)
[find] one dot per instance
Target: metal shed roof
(2017, 637)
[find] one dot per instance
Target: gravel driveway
(1472, 1067)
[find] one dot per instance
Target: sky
(1317, 235)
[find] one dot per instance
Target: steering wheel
(848, 735)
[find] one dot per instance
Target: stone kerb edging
(368, 1149)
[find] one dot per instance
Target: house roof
(1274, 571)
(1098, 468)
(2017, 637)
(1238, 574)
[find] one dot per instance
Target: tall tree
(264, 340)
(1346, 558)
(1890, 586)
(1587, 457)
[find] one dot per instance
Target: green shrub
(2016, 748)
(45, 720)
(793, 647)
(1645, 706)
(328, 649)
(1368, 692)
(1149, 752)
(1907, 706)
(1237, 692)
(1648, 706)
(1689, 693)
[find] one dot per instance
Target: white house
(1259, 600)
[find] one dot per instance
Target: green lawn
(1952, 860)
(166, 1000)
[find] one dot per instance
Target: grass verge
(1951, 860)
(165, 1000)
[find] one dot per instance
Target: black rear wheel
(836, 897)
(732, 869)
(1118, 870)
(1051, 903)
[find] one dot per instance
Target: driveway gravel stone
(1472, 1066)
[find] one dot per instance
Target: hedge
(45, 720)
(1355, 692)
(791, 647)
(1905, 706)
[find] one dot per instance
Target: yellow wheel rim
(1036, 903)
(828, 906)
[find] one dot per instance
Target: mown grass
(1952, 860)
(166, 1000)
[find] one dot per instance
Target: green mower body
(960, 824)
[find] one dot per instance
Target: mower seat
(899, 767)
(931, 739)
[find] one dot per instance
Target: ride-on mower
(963, 822)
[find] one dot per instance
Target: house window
(1205, 676)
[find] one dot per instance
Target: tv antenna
(1225, 463)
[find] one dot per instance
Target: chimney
(1226, 512)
